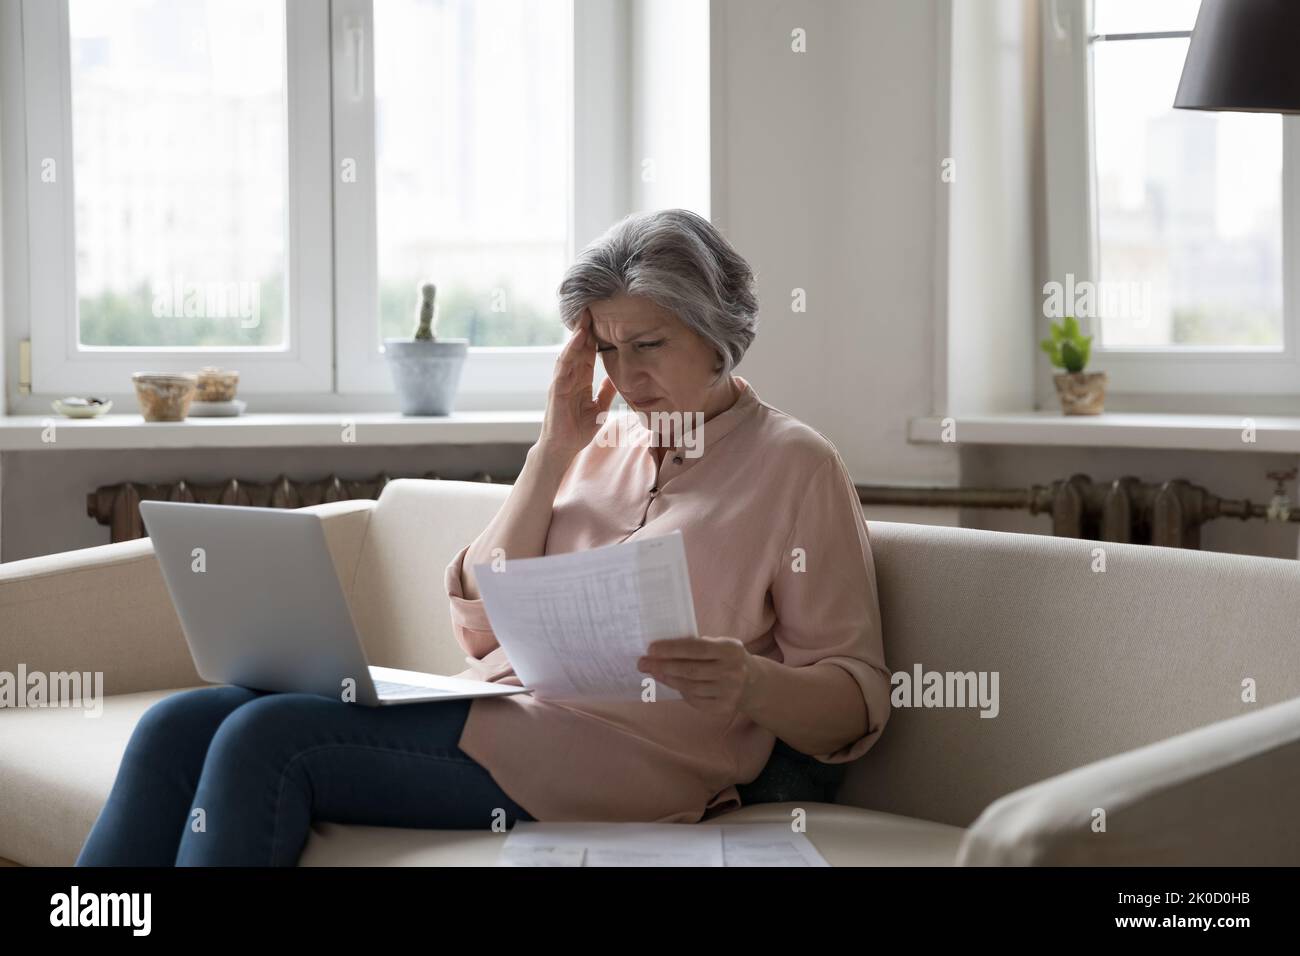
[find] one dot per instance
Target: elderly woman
(781, 567)
(781, 575)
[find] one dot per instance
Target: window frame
(1072, 234)
(495, 377)
(330, 264)
(59, 363)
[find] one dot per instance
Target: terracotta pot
(1081, 393)
(216, 385)
(164, 397)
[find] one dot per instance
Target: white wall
(828, 181)
(669, 149)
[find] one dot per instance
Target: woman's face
(656, 362)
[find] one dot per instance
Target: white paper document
(657, 844)
(573, 625)
(767, 844)
(524, 854)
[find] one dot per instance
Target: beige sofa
(1120, 693)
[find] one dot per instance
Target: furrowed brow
(642, 333)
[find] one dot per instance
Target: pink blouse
(779, 557)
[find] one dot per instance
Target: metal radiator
(118, 506)
(1169, 514)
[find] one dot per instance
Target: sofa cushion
(57, 767)
(845, 836)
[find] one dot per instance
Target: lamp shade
(1244, 55)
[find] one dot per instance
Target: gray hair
(679, 261)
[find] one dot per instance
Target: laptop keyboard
(391, 689)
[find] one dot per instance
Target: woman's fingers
(605, 397)
(582, 334)
(707, 690)
(572, 347)
(577, 361)
(565, 361)
(568, 425)
(692, 670)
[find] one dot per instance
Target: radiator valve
(1279, 506)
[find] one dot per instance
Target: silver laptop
(261, 607)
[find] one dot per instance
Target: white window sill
(1272, 433)
(28, 432)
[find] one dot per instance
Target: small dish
(228, 409)
(76, 407)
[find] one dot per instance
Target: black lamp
(1244, 55)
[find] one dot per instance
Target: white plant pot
(426, 374)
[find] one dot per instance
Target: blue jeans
(227, 776)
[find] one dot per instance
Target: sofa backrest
(399, 599)
(1089, 663)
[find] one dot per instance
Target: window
(1188, 202)
(471, 141)
(179, 135)
(174, 190)
(1177, 221)
(264, 184)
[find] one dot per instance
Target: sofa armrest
(1221, 795)
(106, 609)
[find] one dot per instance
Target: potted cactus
(426, 370)
(1080, 392)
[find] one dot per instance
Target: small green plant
(426, 331)
(1067, 348)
